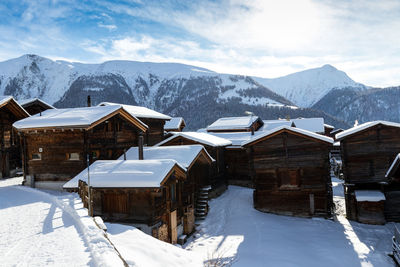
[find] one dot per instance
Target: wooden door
(173, 227)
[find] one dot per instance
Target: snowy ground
(236, 233)
(39, 229)
(51, 228)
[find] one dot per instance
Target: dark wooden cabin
(176, 124)
(143, 193)
(35, 105)
(198, 164)
(153, 119)
(236, 124)
(291, 172)
(56, 144)
(10, 150)
(215, 147)
(367, 153)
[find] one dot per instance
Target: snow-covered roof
(139, 112)
(393, 167)
(271, 124)
(184, 155)
(237, 138)
(125, 173)
(5, 99)
(315, 125)
(202, 138)
(329, 126)
(233, 123)
(369, 195)
(365, 126)
(291, 129)
(31, 100)
(174, 124)
(72, 117)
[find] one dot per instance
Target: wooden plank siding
(291, 175)
(367, 155)
(155, 132)
(105, 141)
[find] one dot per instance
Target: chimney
(124, 154)
(140, 146)
(89, 102)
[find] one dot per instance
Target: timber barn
(10, 150)
(35, 105)
(236, 124)
(154, 120)
(57, 142)
(291, 172)
(144, 193)
(368, 151)
(176, 124)
(214, 146)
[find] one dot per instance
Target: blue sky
(261, 37)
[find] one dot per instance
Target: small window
(73, 156)
(36, 156)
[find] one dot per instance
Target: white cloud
(110, 27)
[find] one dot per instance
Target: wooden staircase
(202, 203)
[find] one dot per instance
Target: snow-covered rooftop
(174, 123)
(271, 124)
(291, 129)
(369, 195)
(68, 117)
(202, 138)
(364, 126)
(28, 101)
(329, 126)
(393, 166)
(315, 125)
(125, 173)
(140, 112)
(233, 123)
(237, 138)
(184, 155)
(4, 98)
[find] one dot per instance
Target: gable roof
(315, 125)
(271, 124)
(185, 155)
(233, 123)
(174, 124)
(393, 167)
(237, 138)
(363, 127)
(202, 138)
(139, 112)
(13, 106)
(84, 118)
(294, 130)
(127, 173)
(26, 102)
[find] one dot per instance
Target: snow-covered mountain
(305, 88)
(200, 95)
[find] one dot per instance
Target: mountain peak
(328, 67)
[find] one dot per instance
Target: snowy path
(36, 229)
(238, 233)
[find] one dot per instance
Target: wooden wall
(292, 175)
(10, 151)
(367, 156)
(155, 132)
(105, 141)
(239, 170)
(35, 108)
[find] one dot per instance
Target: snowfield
(52, 229)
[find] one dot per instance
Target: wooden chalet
(57, 142)
(367, 153)
(198, 164)
(214, 146)
(238, 168)
(153, 119)
(10, 150)
(236, 124)
(291, 172)
(392, 191)
(143, 193)
(35, 105)
(176, 124)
